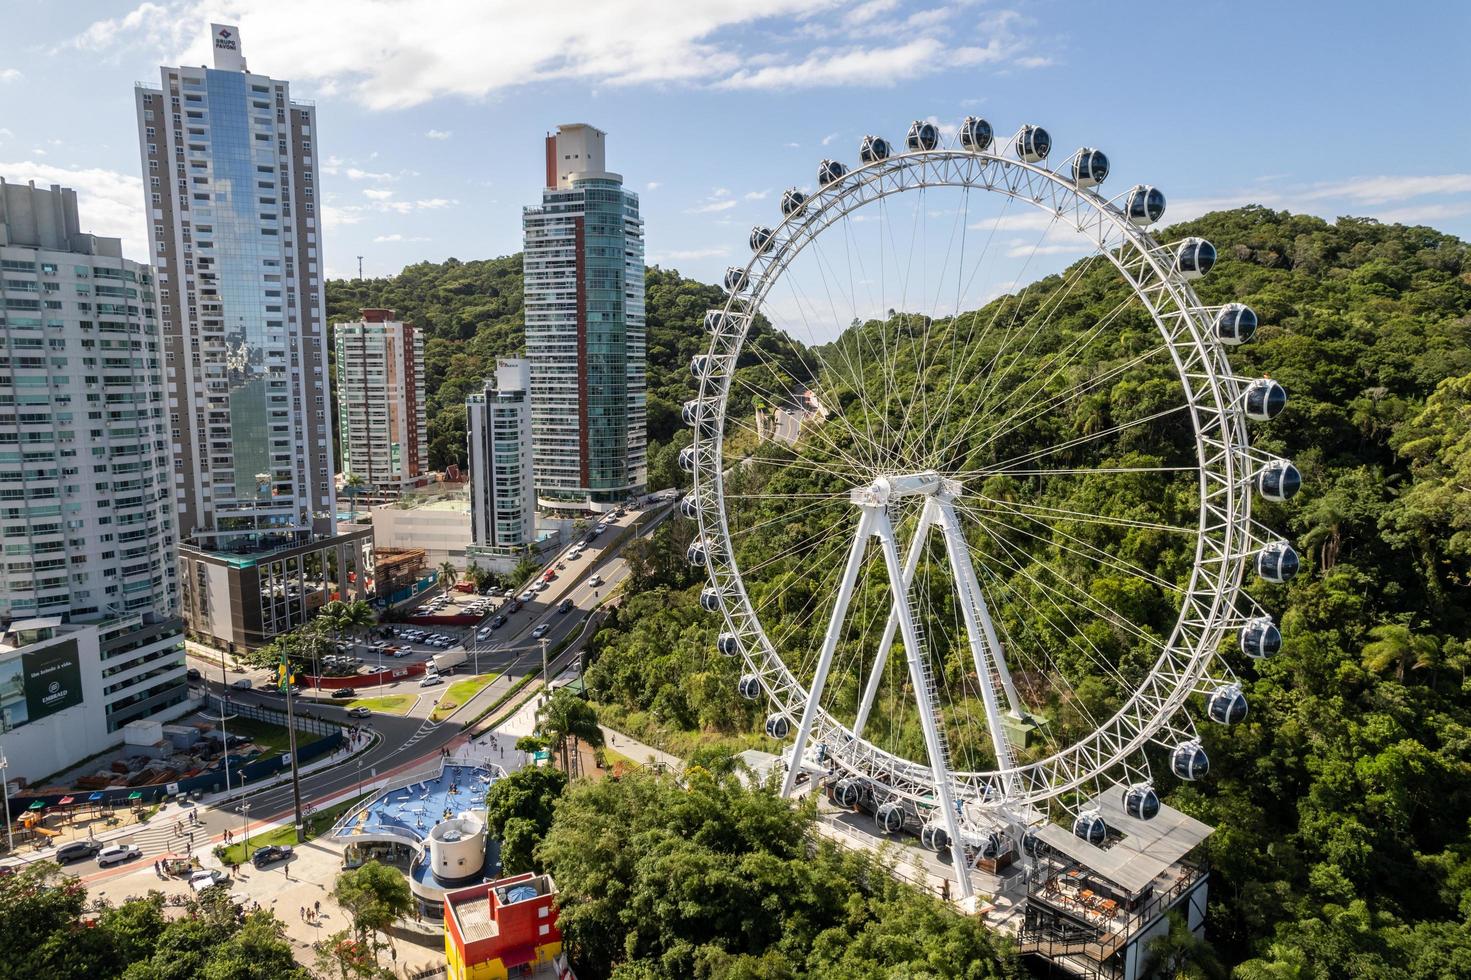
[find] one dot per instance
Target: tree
(518, 812)
(565, 716)
(1395, 645)
(375, 896)
(447, 574)
(353, 484)
(1180, 953)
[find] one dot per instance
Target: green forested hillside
(471, 314)
(1342, 803)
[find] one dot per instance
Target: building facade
(502, 490)
(382, 422)
(230, 165)
(583, 269)
(504, 928)
(88, 589)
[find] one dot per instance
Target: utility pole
(286, 683)
(546, 691)
(360, 267)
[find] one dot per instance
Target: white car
(484, 634)
(541, 631)
(204, 880)
(528, 595)
(118, 853)
(429, 680)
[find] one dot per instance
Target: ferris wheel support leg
(829, 645)
(939, 765)
(986, 656)
(916, 548)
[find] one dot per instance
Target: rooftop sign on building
(228, 54)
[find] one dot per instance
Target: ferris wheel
(982, 547)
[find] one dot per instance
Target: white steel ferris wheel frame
(1209, 608)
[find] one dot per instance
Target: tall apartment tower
(502, 493)
(88, 586)
(584, 304)
(230, 166)
(382, 421)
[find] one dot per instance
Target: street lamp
(5, 787)
(546, 691)
(245, 825)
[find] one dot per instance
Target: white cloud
(9, 75)
(710, 207)
(393, 55)
(353, 173)
(109, 203)
(377, 194)
(5, 134)
(757, 195)
(400, 238)
(335, 216)
(439, 134)
(689, 255)
(653, 185)
(827, 140)
(38, 152)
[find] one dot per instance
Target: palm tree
(356, 618)
(566, 716)
(353, 484)
(447, 574)
(1395, 645)
(1181, 953)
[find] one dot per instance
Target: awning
(95, 797)
(38, 805)
(135, 795)
(518, 955)
(65, 800)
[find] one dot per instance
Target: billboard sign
(40, 683)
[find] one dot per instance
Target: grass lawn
(459, 692)
(270, 739)
(387, 704)
(316, 824)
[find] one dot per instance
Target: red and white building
(381, 414)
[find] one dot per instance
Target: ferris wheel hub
(882, 490)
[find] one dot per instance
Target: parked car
(270, 855)
(77, 850)
(430, 680)
(541, 631)
(359, 712)
(344, 693)
(565, 606)
(595, 581)
(202, 881)
(243, 684)
(118, 853)
(542, 586)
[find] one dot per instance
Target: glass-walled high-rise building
(229, 168)
(382, 421)
(498, 429)
(584, 306)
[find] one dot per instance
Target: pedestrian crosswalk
(425, 730)
(165, 836)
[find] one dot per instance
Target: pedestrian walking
(317, 908)
(302, 913)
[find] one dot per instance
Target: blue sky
(431, 114)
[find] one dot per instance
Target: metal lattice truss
(1210, 608)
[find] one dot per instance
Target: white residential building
(88, 588)
(382, 422)
(499, 431)
(583, 269)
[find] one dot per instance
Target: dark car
(77, 850)
(270, 855)
(498, 622)
(193, 673)
(565, 606)
(344, 692)
(516, 605)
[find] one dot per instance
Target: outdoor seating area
(1090, 900)
(411, 811)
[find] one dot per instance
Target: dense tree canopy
(709, 879)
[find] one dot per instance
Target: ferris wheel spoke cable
(1083, 440)
(1071, 394)
(1092, 554)
(905, 319)
(1064, 514)
(967, 368)
(1063, 360)
(1094, 604)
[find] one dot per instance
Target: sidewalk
(638, 751)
